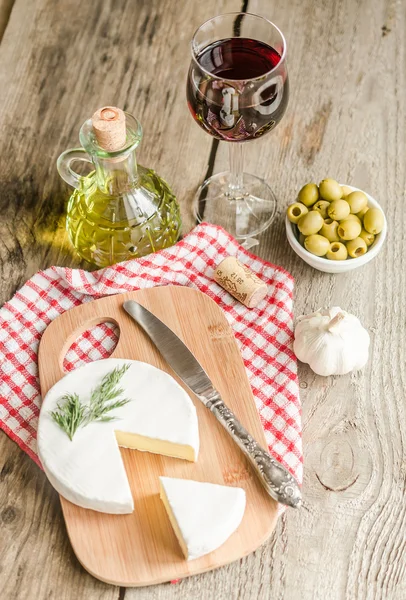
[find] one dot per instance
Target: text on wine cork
(240, 282)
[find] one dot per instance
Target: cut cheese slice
(88, 471)
(203, 515)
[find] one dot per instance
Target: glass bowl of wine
(237, 91)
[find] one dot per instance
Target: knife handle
(277, 480)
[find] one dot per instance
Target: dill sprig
(71, 413)
(101, 399)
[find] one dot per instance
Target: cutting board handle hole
(93, 341)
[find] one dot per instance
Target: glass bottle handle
(65, 161)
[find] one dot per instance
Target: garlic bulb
(332, 342)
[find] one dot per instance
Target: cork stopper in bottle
(109, 128)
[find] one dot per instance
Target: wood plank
(58, 61)
(5, 11)
(345, 119)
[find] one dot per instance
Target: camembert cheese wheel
(88, 471)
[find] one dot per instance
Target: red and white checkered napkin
(264, 334)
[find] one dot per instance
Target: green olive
(374, 221)
(352, 217)
(345, 190)
(362, 212)
(337, 251)
(338, 210)
(317, 244)
(309, 194)
(357, 201)
(321, 206)
(295, 211)
(330, 190)
(349, 229)
(329, 230)
(368, 238)
(310, 223)
(356, 247)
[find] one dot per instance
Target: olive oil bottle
(120, 210)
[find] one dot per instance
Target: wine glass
(237, 91)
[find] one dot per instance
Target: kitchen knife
(277, 480)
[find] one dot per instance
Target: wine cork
(109, 127)
(242, 283)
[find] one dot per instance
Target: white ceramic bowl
(340, 266)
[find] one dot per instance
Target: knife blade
(277, 480)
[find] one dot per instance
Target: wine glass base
(243, 214)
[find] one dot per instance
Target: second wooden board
(141, 548)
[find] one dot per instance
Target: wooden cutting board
(141, 548)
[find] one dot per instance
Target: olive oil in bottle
(120, 210)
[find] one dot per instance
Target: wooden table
(59, 61)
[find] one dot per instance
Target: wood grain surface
(141, 548)
(61, 59)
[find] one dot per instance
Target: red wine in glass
(237, 90)
(238, 94)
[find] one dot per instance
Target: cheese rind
(88, 470)
(203, 515)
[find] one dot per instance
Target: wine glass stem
(236, 168)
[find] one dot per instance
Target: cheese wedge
(203, 515)
(88, 471)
